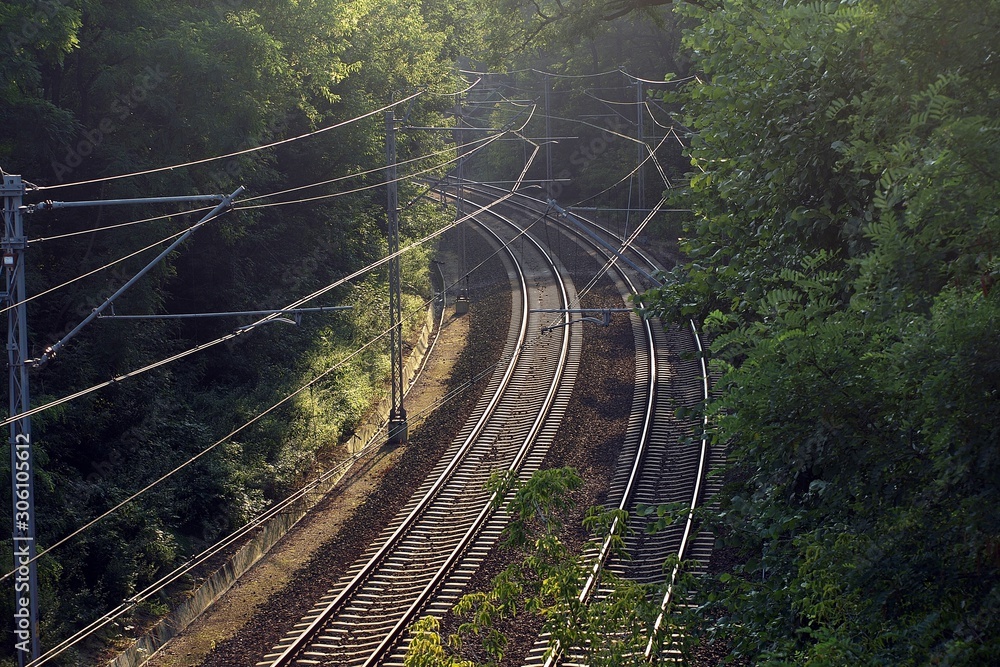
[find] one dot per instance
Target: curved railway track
(431, 545)
(423, 561)
(664, 459)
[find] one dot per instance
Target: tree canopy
(843, 250)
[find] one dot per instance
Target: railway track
(423, 561)
(664, 459)
(432, 546)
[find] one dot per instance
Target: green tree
(842, 248)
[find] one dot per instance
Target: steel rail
(288, 654)
(487, 509)
(689, 520)
(315, 625)
(700, 477)
(703, 456)
(280, 507)
(647, 420)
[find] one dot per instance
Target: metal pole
(21, 459)
(548, 138)
(640, 116)
(462, 300)
(397, 413)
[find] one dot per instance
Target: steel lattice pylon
(397, 413)
(21, 464)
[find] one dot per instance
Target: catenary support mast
(21, 456)
(397, 413)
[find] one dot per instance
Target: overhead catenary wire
(648, 104)
(545, 73)
(378, 185)
(272, 194)
(625, 245)
(370, 186)
(627, 176)
(97, 270)
(559, 75)
(486, 142)
(223, 338)
(651, 152)
(368, 172)
(119, 225)
(180, 571)
(245, 151)
(611, 106)
(129, 604)
(660, 82)
(203, 346)
(151, 590)
(230, 336)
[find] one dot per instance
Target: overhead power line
(368, 172)
(462, 156)
(222, 339)
(236, 153)
(97, 270)
(485, 141)
(363, 188)
(118, 225)
(300, 302)
(294, 305)
(154, 588)
(180, 571)
(256, 148)
(272, 194)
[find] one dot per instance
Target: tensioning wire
(120, 224)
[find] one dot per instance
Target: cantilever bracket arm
(49, 205)
(603, 320)
(223, 206)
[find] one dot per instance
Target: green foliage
(546, 581)
(425, 647)
(843, 253)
